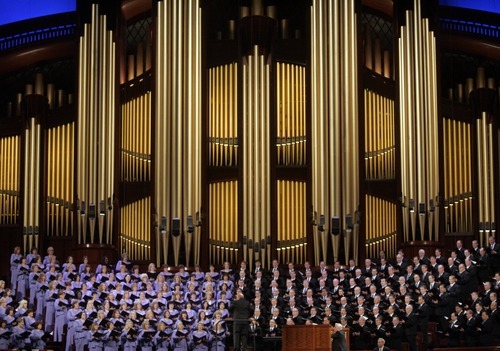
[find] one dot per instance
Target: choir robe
(180, 340)
(95, 342)
(22, 281)
(81, 337)
(36, 338)
(15, 260)
(50, 311)
(71, 317)
(5, 337)
(41, 288)
(200, 340)
(129, 343)
(60, 319)
(162, 340)
(146, 343)
(218, 341)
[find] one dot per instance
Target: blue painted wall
(483, 5)
(19, 10)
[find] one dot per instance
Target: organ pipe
(334, 108)
(9, 179)
(96, 125)
(418, 127)
(223, 219)
(291, 106)
(256, 163)
(291, 221)
(60, 174)
(381, 230)
(178, 125)
(136, 139)
(135, 229)
(223, 113)
(379, 136)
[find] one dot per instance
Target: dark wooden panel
(10, 236)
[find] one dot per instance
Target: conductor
(241, 311)
(338, 338)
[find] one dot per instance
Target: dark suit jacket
(338, 342)
(410, 325)
(385, 348)
(240, 310)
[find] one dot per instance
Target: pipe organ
(135, 229)
(136, 140)
(291, 232)
(177, 140)
(418, 127)
(291, 114)
(256, 155)
(381, 227)
(334, 124)
(223, 219)
(60, 179)
(96, 130)
(482, 98)
(9, 179)
(379, 136)
(223, 121)
(34, 107)
(457, 176)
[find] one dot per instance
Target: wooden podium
(307, 338)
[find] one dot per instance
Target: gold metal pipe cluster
(135, 229)
(334, 93)
(178, 116)
(381, 227)
(223, 219)
(60, 179)
(256, 158)
(418, 127)
(136, 139)
(96, 131)
(31, 220)
(223, 115)
(379, 137)
(291, 114)
(9, 179)
(486, 180)
(292, 227)
(457, 176)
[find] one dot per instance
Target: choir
(117, 307)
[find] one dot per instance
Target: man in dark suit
(410, 325)
(493, 251)
(240, 310)
(338, 338)
(423, 312)
(381, 345)
(470, 330)
(453, 331)
(395, 334)
(486, 330)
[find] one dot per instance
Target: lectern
(307, 338)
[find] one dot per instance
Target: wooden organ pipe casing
(223, 112)
(9, 179)
(96, 126)
(334, 106)
(178, 114)
(256, 141)
(418, 127)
